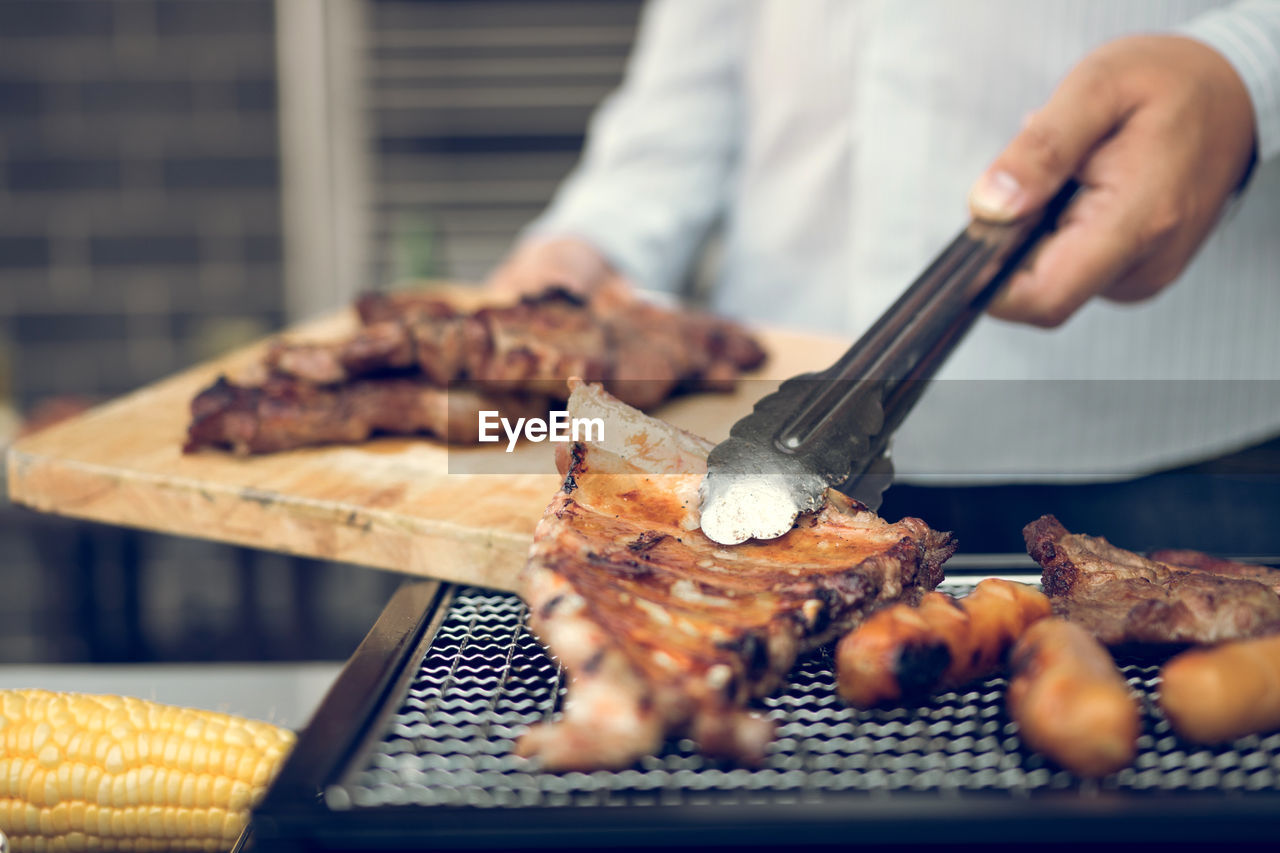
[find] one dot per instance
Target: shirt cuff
(1247, 34)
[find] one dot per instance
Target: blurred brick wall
(139, 188)
(140, 232)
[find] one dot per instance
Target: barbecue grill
(413, 749)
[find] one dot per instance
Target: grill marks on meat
(284, 413)
(664, 631)
(1121, 597)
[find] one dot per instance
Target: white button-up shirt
(836, 140)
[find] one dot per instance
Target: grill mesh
(485, 679)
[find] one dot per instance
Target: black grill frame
(306, 807)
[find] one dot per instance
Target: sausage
(1219, 694)
(904, 652)
(999, 613)
(892, 654)
(1070, 701)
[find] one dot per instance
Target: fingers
(1097, 244)
(1120, 238)
(1146, 279)
(1159, 131)
(520, 276)
(537, 265)
(1052, 145)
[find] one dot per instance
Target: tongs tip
(756, 508)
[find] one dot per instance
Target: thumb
(1052, 145)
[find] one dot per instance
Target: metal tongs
(832, 428)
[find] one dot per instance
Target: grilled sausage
(1070, 701)
(905, 652)
(1219, 694)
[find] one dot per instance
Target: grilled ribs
(284, 413)
(390, 375)
(1123, 598)
(641, 351)
(663, 631)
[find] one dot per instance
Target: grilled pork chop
(1121, 597)
(283, 413)
(664, 631)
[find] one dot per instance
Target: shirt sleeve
(660, 151)
(1247, 34)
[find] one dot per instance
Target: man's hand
(565, 262)
(1159, 130)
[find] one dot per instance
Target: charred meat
(390, 376)
(424, 334)
(663, 631)
(642, 352)
(1121, 597)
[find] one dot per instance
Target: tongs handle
(880, 378)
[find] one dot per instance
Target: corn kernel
(204, 791)
(105, 823)
(75, 815)
(173, 787)
(49, 755)
(59, 819)
(240, 795)
(51, 794)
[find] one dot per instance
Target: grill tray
(437, 755)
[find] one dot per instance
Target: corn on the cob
(81, 772)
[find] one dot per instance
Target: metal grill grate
(484, 679)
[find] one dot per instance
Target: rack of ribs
(663, 631)
(1172, 597)
(504, 357)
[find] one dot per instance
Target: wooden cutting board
(391, 503)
